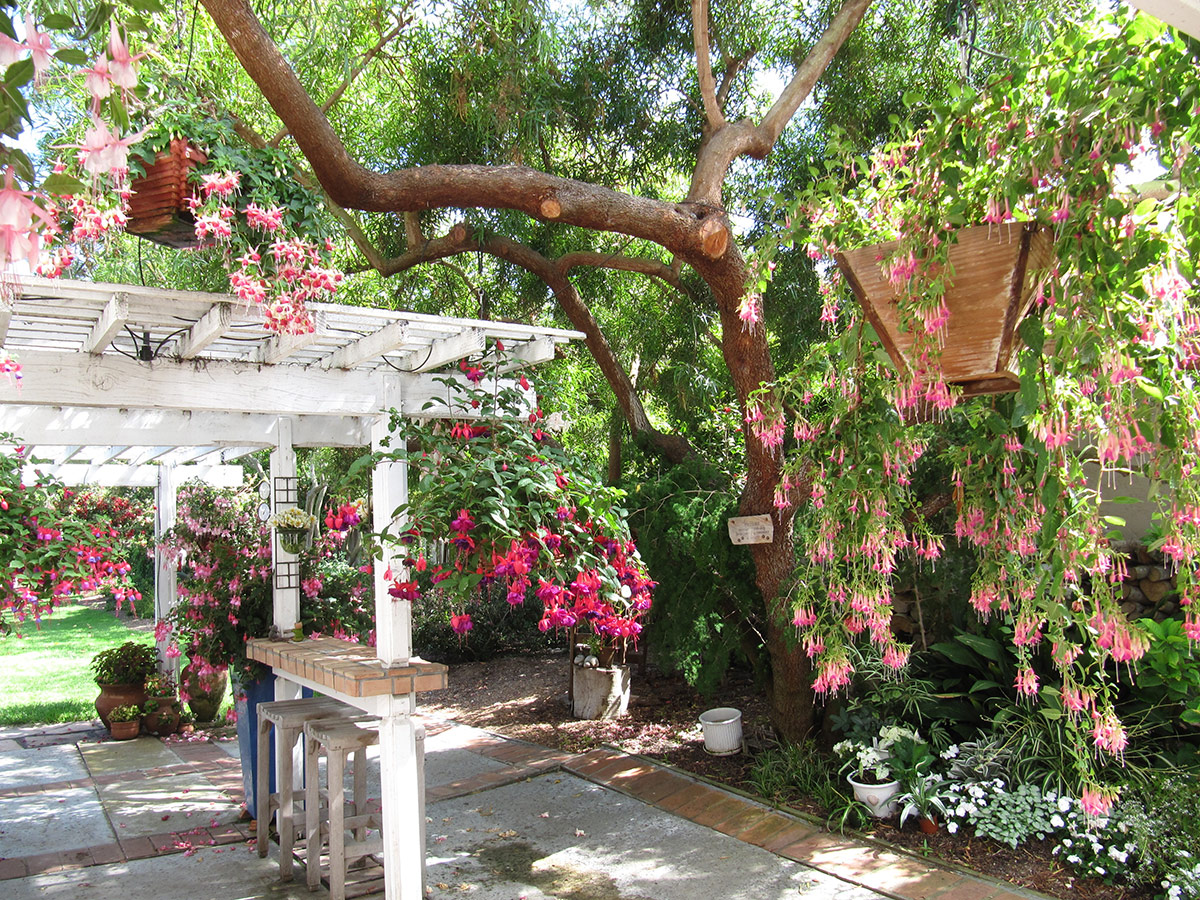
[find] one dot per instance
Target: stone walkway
(506, 817)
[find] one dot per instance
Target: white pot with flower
(293, 526)
(870, 769)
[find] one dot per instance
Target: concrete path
(92, 819)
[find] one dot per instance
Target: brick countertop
(350, 669)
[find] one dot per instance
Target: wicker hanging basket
(158, 208)
(992, 290)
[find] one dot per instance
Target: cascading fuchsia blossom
(1108, 733)
(1095, 802)
(461, 623)
(41, 48)
(122, 67)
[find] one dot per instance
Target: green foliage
(125, 714)
(706, 609)
(1008, 815)
(130, 663)
(1159, 817)
(1168, 676)
(499, 629)
(791, 773)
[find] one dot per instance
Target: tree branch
(810, 70)
(333, 98)
(732, 68)
(708, 88)
(684, 229)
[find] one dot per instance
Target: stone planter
(114, 695)
(204, 693)
(600, 693)
(991, 292)
(880, 799)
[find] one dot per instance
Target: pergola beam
(121, 429)
(77, 475)
(377, 343)
(211, 326)
(445, 351)
(112, 320)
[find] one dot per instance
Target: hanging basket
(991, 291)
(291, 540)
(158, 208)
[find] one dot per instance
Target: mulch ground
(526, 697)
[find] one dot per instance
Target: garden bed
(526, 697)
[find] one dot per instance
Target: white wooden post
(286, 600)
(403, 849)
(393, 618)
(165, 568)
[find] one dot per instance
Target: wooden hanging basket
(991, 292)
(158, 208)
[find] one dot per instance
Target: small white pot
(722, 731)
(880, 799)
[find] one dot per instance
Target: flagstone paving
(505, 817)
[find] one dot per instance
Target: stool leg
(285, 740)
(262, 784)
(420, 740)
(335, 761)
(360, 791)
(312, 813)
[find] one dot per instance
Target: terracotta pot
(927, 825)
(158, 205)
(991, 292)
(204, 693)
(165, 719)
(114, 695)
(124, 731)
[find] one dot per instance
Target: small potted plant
(871, 768)
(293, 525)
(924, 798)
(121, 674)
(162, 707)
(187, 722)
(125, 722)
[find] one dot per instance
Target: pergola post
(285, 587)
(389, 489)
(165, 566)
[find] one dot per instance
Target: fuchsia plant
(498, 507)
(86, 199)
(1108, 374)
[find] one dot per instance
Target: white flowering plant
(877, 762)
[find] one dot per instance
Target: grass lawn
(44, 676)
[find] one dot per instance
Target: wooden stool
(287, 717)
(337, 739)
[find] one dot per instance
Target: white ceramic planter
(722, 730)
(880, 799)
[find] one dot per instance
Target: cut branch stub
(990, 292)
(714, 237)
(550, 208)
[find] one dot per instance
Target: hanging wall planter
(158, 209)
(991, 292)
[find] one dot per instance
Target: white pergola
(127, 385)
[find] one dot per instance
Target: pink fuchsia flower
(10, 51)
(803, 617)
(19, 234)
(103, 152)
(1027, 682)
(1076, 701)
(463, 522)
(474, 373)
(750, 310)
(41, 50)
(1095, 802)
(98, 80)
(1108, 733)
(123, 66)
(461, 623)
(223, 184)
(408, 590)
(268, 220)
(895, 657)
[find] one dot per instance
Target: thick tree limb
(704, 73)
(341, 89)
(732, 69)
(680, 228)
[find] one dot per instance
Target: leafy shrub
(706, 608)
(1159, 817)
(499, 628)
(1010, 816)
(130, 663)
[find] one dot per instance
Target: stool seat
(287, 717)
